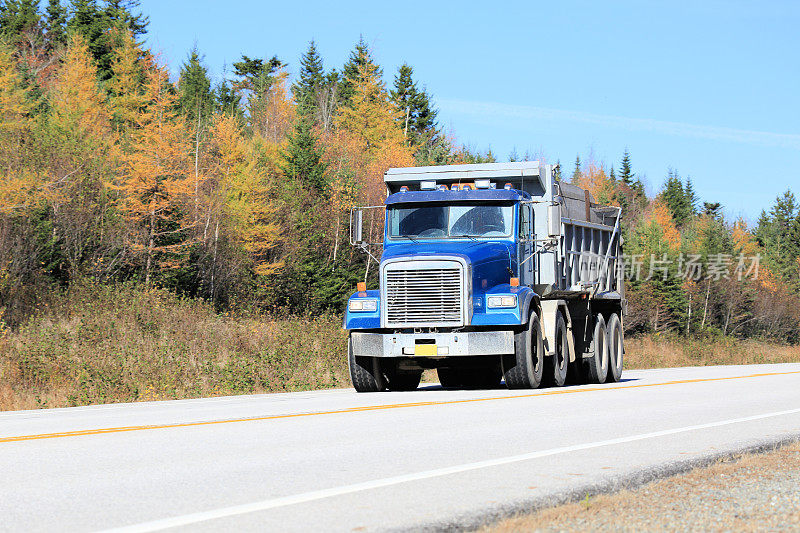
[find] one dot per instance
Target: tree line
(238, 191)
(690, 270)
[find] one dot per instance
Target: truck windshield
(450, 221)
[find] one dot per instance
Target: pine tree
(576, 174)
(612, 175)
(302, 158)
(676, 198)
(125, 87)
(194, 89)
(226, 100)
(19, 16)
(360, 61)
(625, 173)
(714, 210)
(417, 116)
(557, 171)
(691, 197)
(306, 90)
(56, 24)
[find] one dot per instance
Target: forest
(237, 191)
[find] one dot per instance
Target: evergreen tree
(612, 175)
(714, 210)
(417, 116)
(226, 100)
(360, 61)
(56, 24)
(256, 75)
(18, 16)
(676, 198)
(98, 25)
(194, 89)
(557, 171)
(576, 174)
(122, 14)
(691, 197)
(302, 158)
(307, 88)
(625, 173)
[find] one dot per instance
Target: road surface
(340, 461)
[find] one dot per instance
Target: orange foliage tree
(156, 175)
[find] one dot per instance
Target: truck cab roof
(466, 195)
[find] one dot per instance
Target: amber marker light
(514, 282)
(361, 286)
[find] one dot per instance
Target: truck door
(526, 245)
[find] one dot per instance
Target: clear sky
(709, 88)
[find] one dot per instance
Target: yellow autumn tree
(369, 135)
(15, 183)
(273, 113)
(156, 175)
(78, 105)
(127, 95)
(244, 187)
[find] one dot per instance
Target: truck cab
(470, 271)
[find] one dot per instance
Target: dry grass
(726, 496)
(102, 345)
(663, 352)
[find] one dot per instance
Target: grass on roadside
(120, 344)
(97, 344)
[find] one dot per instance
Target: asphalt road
(340, 461)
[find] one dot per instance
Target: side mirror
(356, 226)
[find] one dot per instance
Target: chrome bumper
(447, 344)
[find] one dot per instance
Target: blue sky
(708, 88)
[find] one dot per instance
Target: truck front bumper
(425, 344)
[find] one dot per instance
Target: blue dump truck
(488, 273)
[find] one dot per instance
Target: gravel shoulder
(755, 492)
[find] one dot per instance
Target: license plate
(425, 350)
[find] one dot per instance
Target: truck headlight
(363, 305)
(501, 301)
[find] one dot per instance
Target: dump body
(470, 252)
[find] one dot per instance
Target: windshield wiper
(468, 236)
(409, 237)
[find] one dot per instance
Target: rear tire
(616, 349)
(524, 369)
(558, 363)
(597, 364)
(365, 372)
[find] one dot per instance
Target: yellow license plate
(424, 350)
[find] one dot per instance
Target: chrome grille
(423, 297)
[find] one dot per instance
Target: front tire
(524, 369)
(365, 372)
(615, 348)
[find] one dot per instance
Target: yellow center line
(123, 429)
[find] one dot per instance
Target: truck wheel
(597, 364)
(365, 372)
(558, 364)
(403, 380)
(615, 348)
(524, 369)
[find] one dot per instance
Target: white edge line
(193, 518)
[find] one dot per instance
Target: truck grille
(429, 297)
